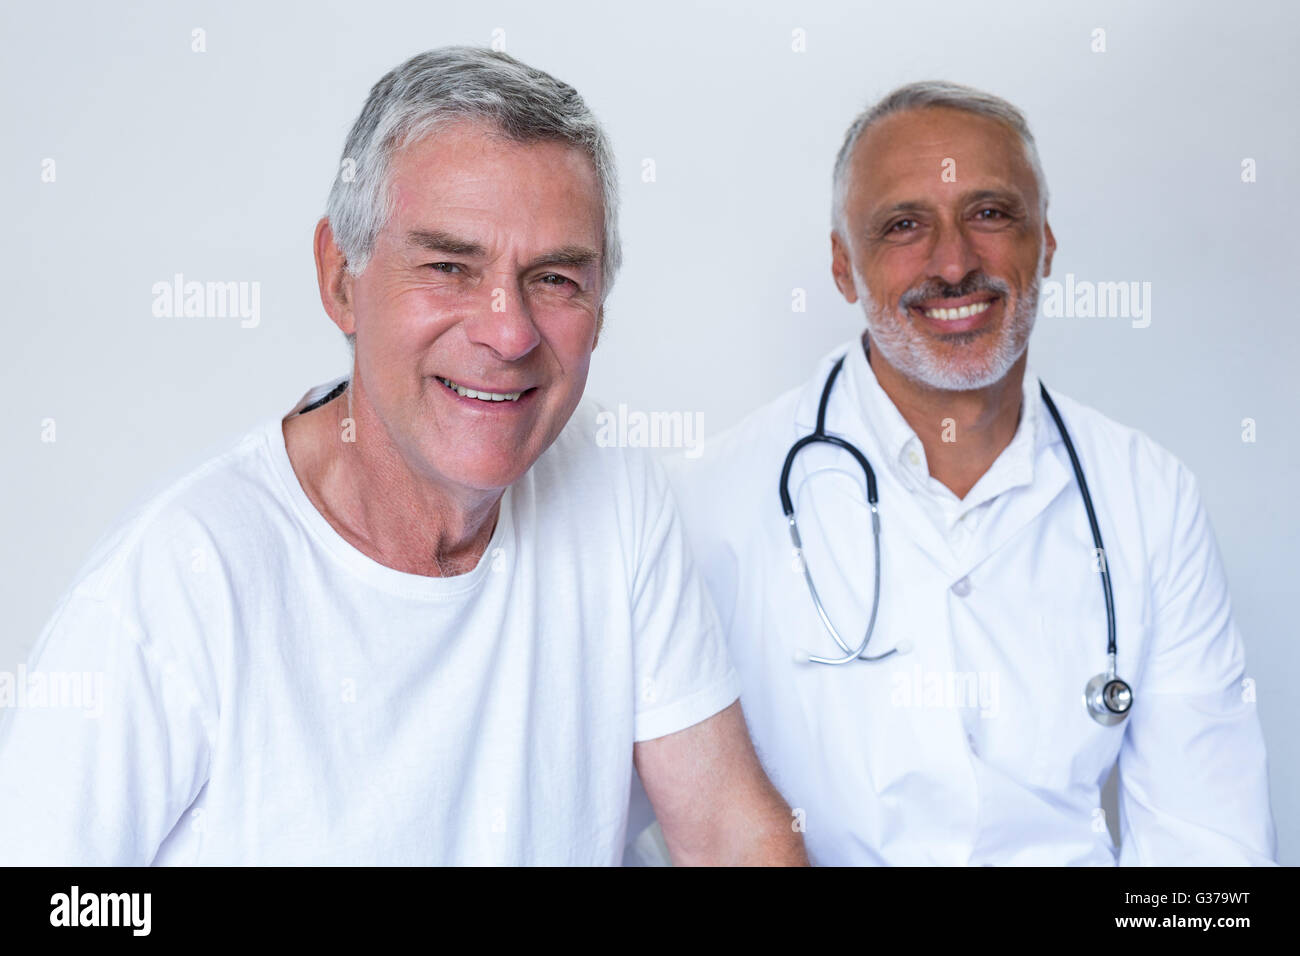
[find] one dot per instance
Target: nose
(952, 257)
(504, 323)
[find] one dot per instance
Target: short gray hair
(449, 83)
(932, 93)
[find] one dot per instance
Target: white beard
(906, 349)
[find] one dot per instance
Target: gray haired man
(424, 617)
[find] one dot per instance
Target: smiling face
(944, 242)
(477, 312)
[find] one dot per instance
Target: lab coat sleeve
(1193, 772)
(96, 769)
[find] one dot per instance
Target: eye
(450, 268)
(902, 225)
(557, 280)
(989, 214)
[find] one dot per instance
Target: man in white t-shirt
(424, 618)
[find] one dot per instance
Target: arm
(1193, 772)
(98, 772)
(712, 799)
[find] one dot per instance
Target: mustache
(938, 289)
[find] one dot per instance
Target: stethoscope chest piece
(1108, 699)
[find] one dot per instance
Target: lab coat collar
(893, 439)
(861, 412)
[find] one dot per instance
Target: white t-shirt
(271, 695)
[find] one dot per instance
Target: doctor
(967, 740)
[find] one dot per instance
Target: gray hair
(449, 83)
(932, 93)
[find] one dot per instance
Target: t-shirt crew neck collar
(360, 565)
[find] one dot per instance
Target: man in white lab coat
(971, 744)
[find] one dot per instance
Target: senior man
(424, 617)
(963, 737)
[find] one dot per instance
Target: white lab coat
(975, 747)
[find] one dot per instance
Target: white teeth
(965, 312)
(481, 396)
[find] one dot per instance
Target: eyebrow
(998, 195)
(573, 256)
(435, 240)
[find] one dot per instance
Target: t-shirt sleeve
(103, 746)
(683, 672)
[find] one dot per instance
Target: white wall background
(216, 165)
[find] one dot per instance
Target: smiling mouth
(961, 312)
(480, 394)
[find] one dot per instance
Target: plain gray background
(217, 164)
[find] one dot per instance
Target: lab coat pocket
(1072, 750)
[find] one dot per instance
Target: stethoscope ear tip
(802, 657)
(904, 647)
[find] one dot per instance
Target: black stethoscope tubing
(1107, 697)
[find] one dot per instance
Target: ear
(842, 268)
(1051, 249)
(333, 278)
(600, 324)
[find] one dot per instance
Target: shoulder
(592, 482)
(767, 427)
(738, 468)
(189, 527)
(1143, 491)
(590, 456)
(1122, 449)
(747, 456)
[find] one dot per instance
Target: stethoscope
(1107, 697)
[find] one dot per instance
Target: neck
(364, 488)
(962, 432)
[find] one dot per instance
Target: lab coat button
(962, 587)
